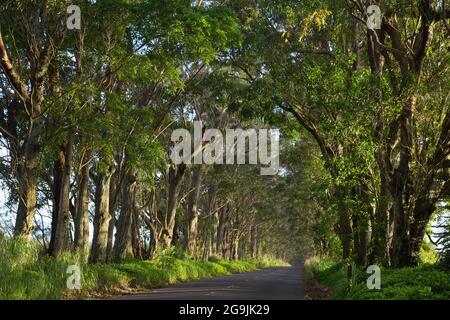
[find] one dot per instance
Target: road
(280, 283)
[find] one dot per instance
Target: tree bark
(28, 152)
(61, 216)
(27, 181)
(102, 217)
(136, 235)
(82, 208)
(192, 211)
(174, 180)
(223, 217)
(253, 241)
(361, 226)
(123, 246)
(113, 195)
(153, 241)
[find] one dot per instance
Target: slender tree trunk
(123, 246)
(381, 234)
(102, 217)
(213, 217)
(361, 240)
(111, 228)
(82, 208)
(61, 216)
(113, 223)
(400, 237)
(215, 233)
(242, 249)
(176, 232)
(192, 211)
(221, 230)
(27, 181)
(235, 248)
(136, 235)
(253, 241)
(175, 177)
(153, 241)
(344, 229)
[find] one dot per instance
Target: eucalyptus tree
(31, 42)
(302, 72)
(316, 69)
(408, 57)
(179, 50)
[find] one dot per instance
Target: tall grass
(26, 273)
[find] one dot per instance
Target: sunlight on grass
(25, 273)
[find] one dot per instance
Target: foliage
(27, 274)
(413, 283)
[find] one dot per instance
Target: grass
(330, 273)
(425, 282)
(26, 273)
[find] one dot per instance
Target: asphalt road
(281, 283)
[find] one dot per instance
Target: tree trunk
(61, 216)
(422, 214)
(153, 241)
(113, 194)
(27, 181)
(82, 209)
(215, 233)
(235, 248)
(242, 249)
(192, 211)
(361, 226)
(123, 246)
(213, 217)
(399, 241)
(221, 230)
(424, 207)
(381, 228)
(102, 217)
(344, 229)
(253, 241)
(26, 156)
(174, 180)
(136, 235)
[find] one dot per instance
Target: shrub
(423, 282)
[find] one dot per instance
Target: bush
(423, 282)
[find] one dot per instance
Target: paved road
(281, 283)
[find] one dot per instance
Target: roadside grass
(425, 282)
(27, 273)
